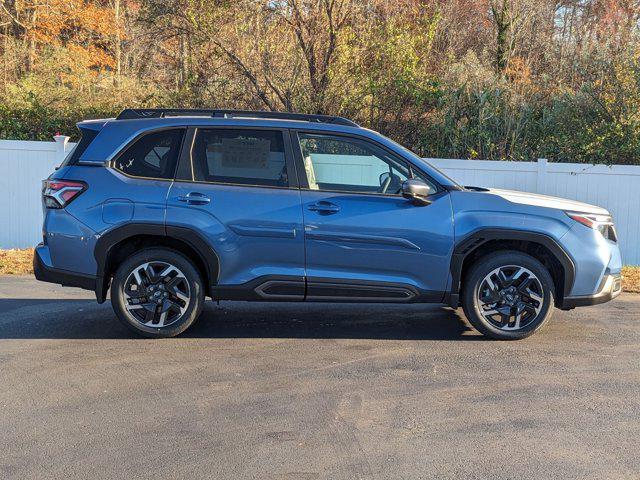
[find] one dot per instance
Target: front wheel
(157, 293)
(508, 295)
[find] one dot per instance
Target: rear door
(237, 189)
(147, 168)
(364, 241)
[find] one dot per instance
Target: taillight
(59, 193)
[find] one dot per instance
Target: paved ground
(293, 391)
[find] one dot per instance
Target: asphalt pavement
(314, 391)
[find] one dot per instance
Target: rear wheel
(508, 295)
(157, 293)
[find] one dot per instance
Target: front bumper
(610, 288)
(44, 272)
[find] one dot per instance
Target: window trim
(112, 163)
(304, 182)
(186, 157)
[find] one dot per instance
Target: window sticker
(245, 152)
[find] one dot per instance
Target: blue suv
(168, 207)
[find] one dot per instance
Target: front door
(233, 188)
(364, 241)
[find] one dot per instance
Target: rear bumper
(610, 288)
(46, 273)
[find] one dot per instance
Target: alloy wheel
(156, 294)
(510, 297)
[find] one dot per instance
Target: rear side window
(86, 138)
(152, 156)
(244, 157)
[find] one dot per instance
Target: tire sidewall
(162, 255)
(500, 259)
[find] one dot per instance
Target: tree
(501, 79)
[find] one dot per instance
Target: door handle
(324, 207)
(194, 198)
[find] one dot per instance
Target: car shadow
(84, 319)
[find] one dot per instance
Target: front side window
(239, 157)
(152, 156)
(349, 165)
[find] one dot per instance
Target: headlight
(602, 223)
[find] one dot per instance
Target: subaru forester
(163, 208)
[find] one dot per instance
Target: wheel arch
(117, 244)
(539, 245)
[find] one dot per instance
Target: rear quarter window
(86, 137)
(153, 155)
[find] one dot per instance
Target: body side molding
(360, 238)
(270, 288)
(321, 289)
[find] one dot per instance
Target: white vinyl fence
(24, 164)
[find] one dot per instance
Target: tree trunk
(183, 60)
(31, 56)
(118, 44)
(503, 31)
(5, 59)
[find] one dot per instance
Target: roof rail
(132, 113)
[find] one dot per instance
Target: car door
(235, 189)
(364, 241)
(142, 175)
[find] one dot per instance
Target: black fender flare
(476, 239)
(189, 236)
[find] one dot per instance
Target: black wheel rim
(156, 294)
(510, 297)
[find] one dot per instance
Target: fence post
(62, 142)
(541, 175)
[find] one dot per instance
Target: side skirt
(291, 289)
(269, 288)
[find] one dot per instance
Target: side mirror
(417, 191)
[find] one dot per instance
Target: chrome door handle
(194, 198)
(324, 207)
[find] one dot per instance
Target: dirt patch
(16, 262)
(631, 279)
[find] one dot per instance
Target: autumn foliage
(499, 79)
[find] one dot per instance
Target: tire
(521, 284)
(157, 293)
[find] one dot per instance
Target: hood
(547, 202)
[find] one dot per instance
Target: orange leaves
(519, 72)
(86, 29)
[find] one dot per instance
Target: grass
(18, 262)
